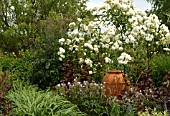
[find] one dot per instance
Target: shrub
(31, 102)
(47, 69)
(144, 93)
(117, 34)
(89, 97)
(160, 64)
(17, 67)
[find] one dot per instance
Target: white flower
(58, 85)
(111, 31)
(75, 32)
(166, 49)
(90, 72)
(12, 7)
(88, 62)
(61, 41)
(81, 60)
(113, 48)
(72, 25)
(105, 6)
(96, 49)
(105, 39)
(116, 3)
(77, 39)
(164, 29)
(61, 51)
(68, 42)
(119, 42)
(127, 40)
(88, 45)
(131, 20)
(81, 38)
(157, 43)
(122, 62)
(105, 45)
(130, 12)
(120, 48)
(70, 47)
(124, 7)
(60, 59)
(62, 56)
(75, 47)
(107, 60)
(116, 45)
(79, 20)
(149, 39)
(131, 39)
(124, 58)
(84, 53)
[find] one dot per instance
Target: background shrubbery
(159, 65)
(18, 68)
(47, 69)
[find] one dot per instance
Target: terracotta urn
(114, 83)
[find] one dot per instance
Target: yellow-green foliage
(30, 101)
(152, 113)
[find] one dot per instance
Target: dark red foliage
(144, 93)
(70, 74)
(5, 104)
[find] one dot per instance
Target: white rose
(61, 41)
(166, 49)
(72, 25)
(107, 60)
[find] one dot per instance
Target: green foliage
(47, 69)
(152, 113)
(90, 98)
(32, 102)
(160, 64)
(20, 21)
(36, 26)
(17, 67)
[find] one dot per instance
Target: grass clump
(29, 101)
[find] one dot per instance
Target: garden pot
(114, 83)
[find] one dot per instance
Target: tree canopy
(23, 21)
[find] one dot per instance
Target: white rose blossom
(72, 25)
(124, 58)
(81, 60)
(61, 53)
(88, 62)
(61, 41)
(107, 60)
(88, 45)
(103, 36)
(90, 72)
(166, 49)
(68, 42)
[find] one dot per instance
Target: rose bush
(116, 28)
